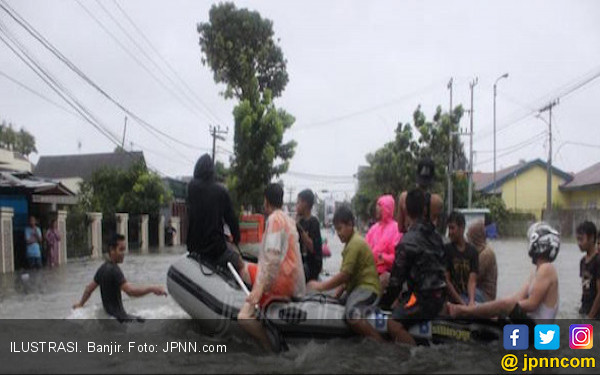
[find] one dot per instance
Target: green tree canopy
(392, 168)
(238, 46)
(259, 149)
(20, 141)
(136, 191)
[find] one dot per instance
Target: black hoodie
(209, 207)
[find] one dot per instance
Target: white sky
(356, 68)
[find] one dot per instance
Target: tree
(25, 143)
(258, 143)
(392, 168)
(238, 46)
(22, 141)
(136, 191)
(221, 172)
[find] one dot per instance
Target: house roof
(27, 181)
(587, 178)
(484, 182)
(82, 166)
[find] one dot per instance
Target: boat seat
(206, 267)
(318, 297)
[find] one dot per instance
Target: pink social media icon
(581, 336)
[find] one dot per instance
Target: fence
(77, 234)
(109, 228)
(515, 224)
(134, 232)
(567, 220)
(153, 222)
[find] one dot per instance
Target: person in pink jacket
(384, 236)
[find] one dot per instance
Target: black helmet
(425, 172)
(543, 241)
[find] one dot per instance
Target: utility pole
(215, 133)
(549, 171)
(471, 86)
(291, 193)
(124, 131)
(450, 152)
(505, 75)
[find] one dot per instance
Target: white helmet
(543, 241)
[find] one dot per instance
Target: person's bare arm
(337, 280)
(539, 289)
(139, 291)
(596, 305)
(522, 293)
(339, 291)
(87, 292)
(454, 296)
(471, 287)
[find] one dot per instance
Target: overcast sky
(356, 69)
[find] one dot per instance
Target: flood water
(50, 293)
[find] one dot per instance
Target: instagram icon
(581, 336)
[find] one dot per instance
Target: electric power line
(136, 59)
(38, 94)
(538, 135)
(512, 151)
(167, 64)
(148, 57)
(561, 92)
(364, 111)
(26, 57)
(32, 31)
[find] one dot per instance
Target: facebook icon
(516, 337)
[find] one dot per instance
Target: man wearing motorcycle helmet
(538, 299)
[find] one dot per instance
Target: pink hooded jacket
(384, 235)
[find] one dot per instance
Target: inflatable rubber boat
(213, 297)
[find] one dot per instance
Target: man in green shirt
(357, 277)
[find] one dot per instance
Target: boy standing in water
(112, 281)
(357, 277)
(309, 229)
(589, 270)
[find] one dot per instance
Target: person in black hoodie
(209, 208)
(419, 263)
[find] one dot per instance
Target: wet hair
(456, 218)
(415, 203)
(343, 215)
(588, 228)
(307, 196)
(274, 195)
(114, 241)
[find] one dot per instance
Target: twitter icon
(547, 336)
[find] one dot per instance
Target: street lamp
(505, 75)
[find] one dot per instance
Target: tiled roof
(82, 166)
(586, 178)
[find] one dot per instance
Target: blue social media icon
(516, 337)
(547, 336)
